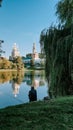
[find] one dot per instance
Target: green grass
(43, 115)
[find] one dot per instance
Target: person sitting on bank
(32, 94)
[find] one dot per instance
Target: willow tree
(65, 12)
(57, 44)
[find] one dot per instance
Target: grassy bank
(43, 115)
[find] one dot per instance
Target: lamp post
(1, 51)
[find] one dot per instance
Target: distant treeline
(15, 64)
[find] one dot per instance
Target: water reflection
(9, 75)
(16, 87)
(31, 78)
(35, 78)
(5, 76)
(16, 82)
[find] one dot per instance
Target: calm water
(15, 87)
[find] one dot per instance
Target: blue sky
(21, 22)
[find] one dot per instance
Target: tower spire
(34, 48)
(34, 53)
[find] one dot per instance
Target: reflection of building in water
(35, 83)
(34, 79)
(15, 88)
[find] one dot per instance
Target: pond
(15, 87)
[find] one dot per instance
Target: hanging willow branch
(57, 45)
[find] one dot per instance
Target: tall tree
(57, 43)
(65, 12)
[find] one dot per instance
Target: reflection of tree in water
(5, 76)
(19, 77)
(35, 78)
(14, 77)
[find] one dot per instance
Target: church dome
(15, 51)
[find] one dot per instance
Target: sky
(21, 22)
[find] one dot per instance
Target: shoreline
(10, 70)
(20, 70)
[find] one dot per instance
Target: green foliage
(18, 62)
(57, 44)
(65, 11)
(5, 64)
(58, 48)
(41, 55)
